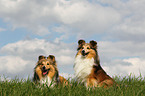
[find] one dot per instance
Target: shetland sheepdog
(46, 72)
(87, 66)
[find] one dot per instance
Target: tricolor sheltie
(46, 72)
(87, 66)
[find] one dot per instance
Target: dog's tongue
(44, 73)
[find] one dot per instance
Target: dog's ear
(41, 57)
(93, 44)
(52, 58)
(81, 42)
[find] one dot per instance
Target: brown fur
(63, 80)
(50, 64)
(97, 77)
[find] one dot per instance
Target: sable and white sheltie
(46, 72)
(87, 66)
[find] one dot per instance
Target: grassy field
(128, 86)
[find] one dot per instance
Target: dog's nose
(83, 52)
(43, 67)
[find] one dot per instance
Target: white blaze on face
(83, 67)
(86, 48)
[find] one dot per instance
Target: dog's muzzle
(44, 70)
(84, 53)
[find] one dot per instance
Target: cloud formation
(42, 17)
(117, 17)
(23, 55)
(125, 67)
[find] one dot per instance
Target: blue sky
(32, 28)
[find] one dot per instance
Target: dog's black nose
(83, 52)
(43, 67)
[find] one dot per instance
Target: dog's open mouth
(45, 71)
(84, 54)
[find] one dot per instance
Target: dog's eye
(47, 63)
(88, 48)
(82, 47)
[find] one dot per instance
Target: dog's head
(86, 49)
(46, 64)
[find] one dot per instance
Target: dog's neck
(49, 81)
(83, 67)
(46, 81)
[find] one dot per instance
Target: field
(128, 86)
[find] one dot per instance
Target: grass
(128, 86)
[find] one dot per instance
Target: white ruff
(83, 67)
(48, 81)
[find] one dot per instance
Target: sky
(29, 28)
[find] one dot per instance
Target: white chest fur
(48, 81)
(83, 67)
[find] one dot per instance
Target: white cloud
(132, 22)
(137, 66)
(40, 17)
(30, 49)
(121, 49)
(66, 59)
(12, 64)
(87, 18)
(122, 58)
(133, 66)
(78, 17)
(122, 20)
(23, 55)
